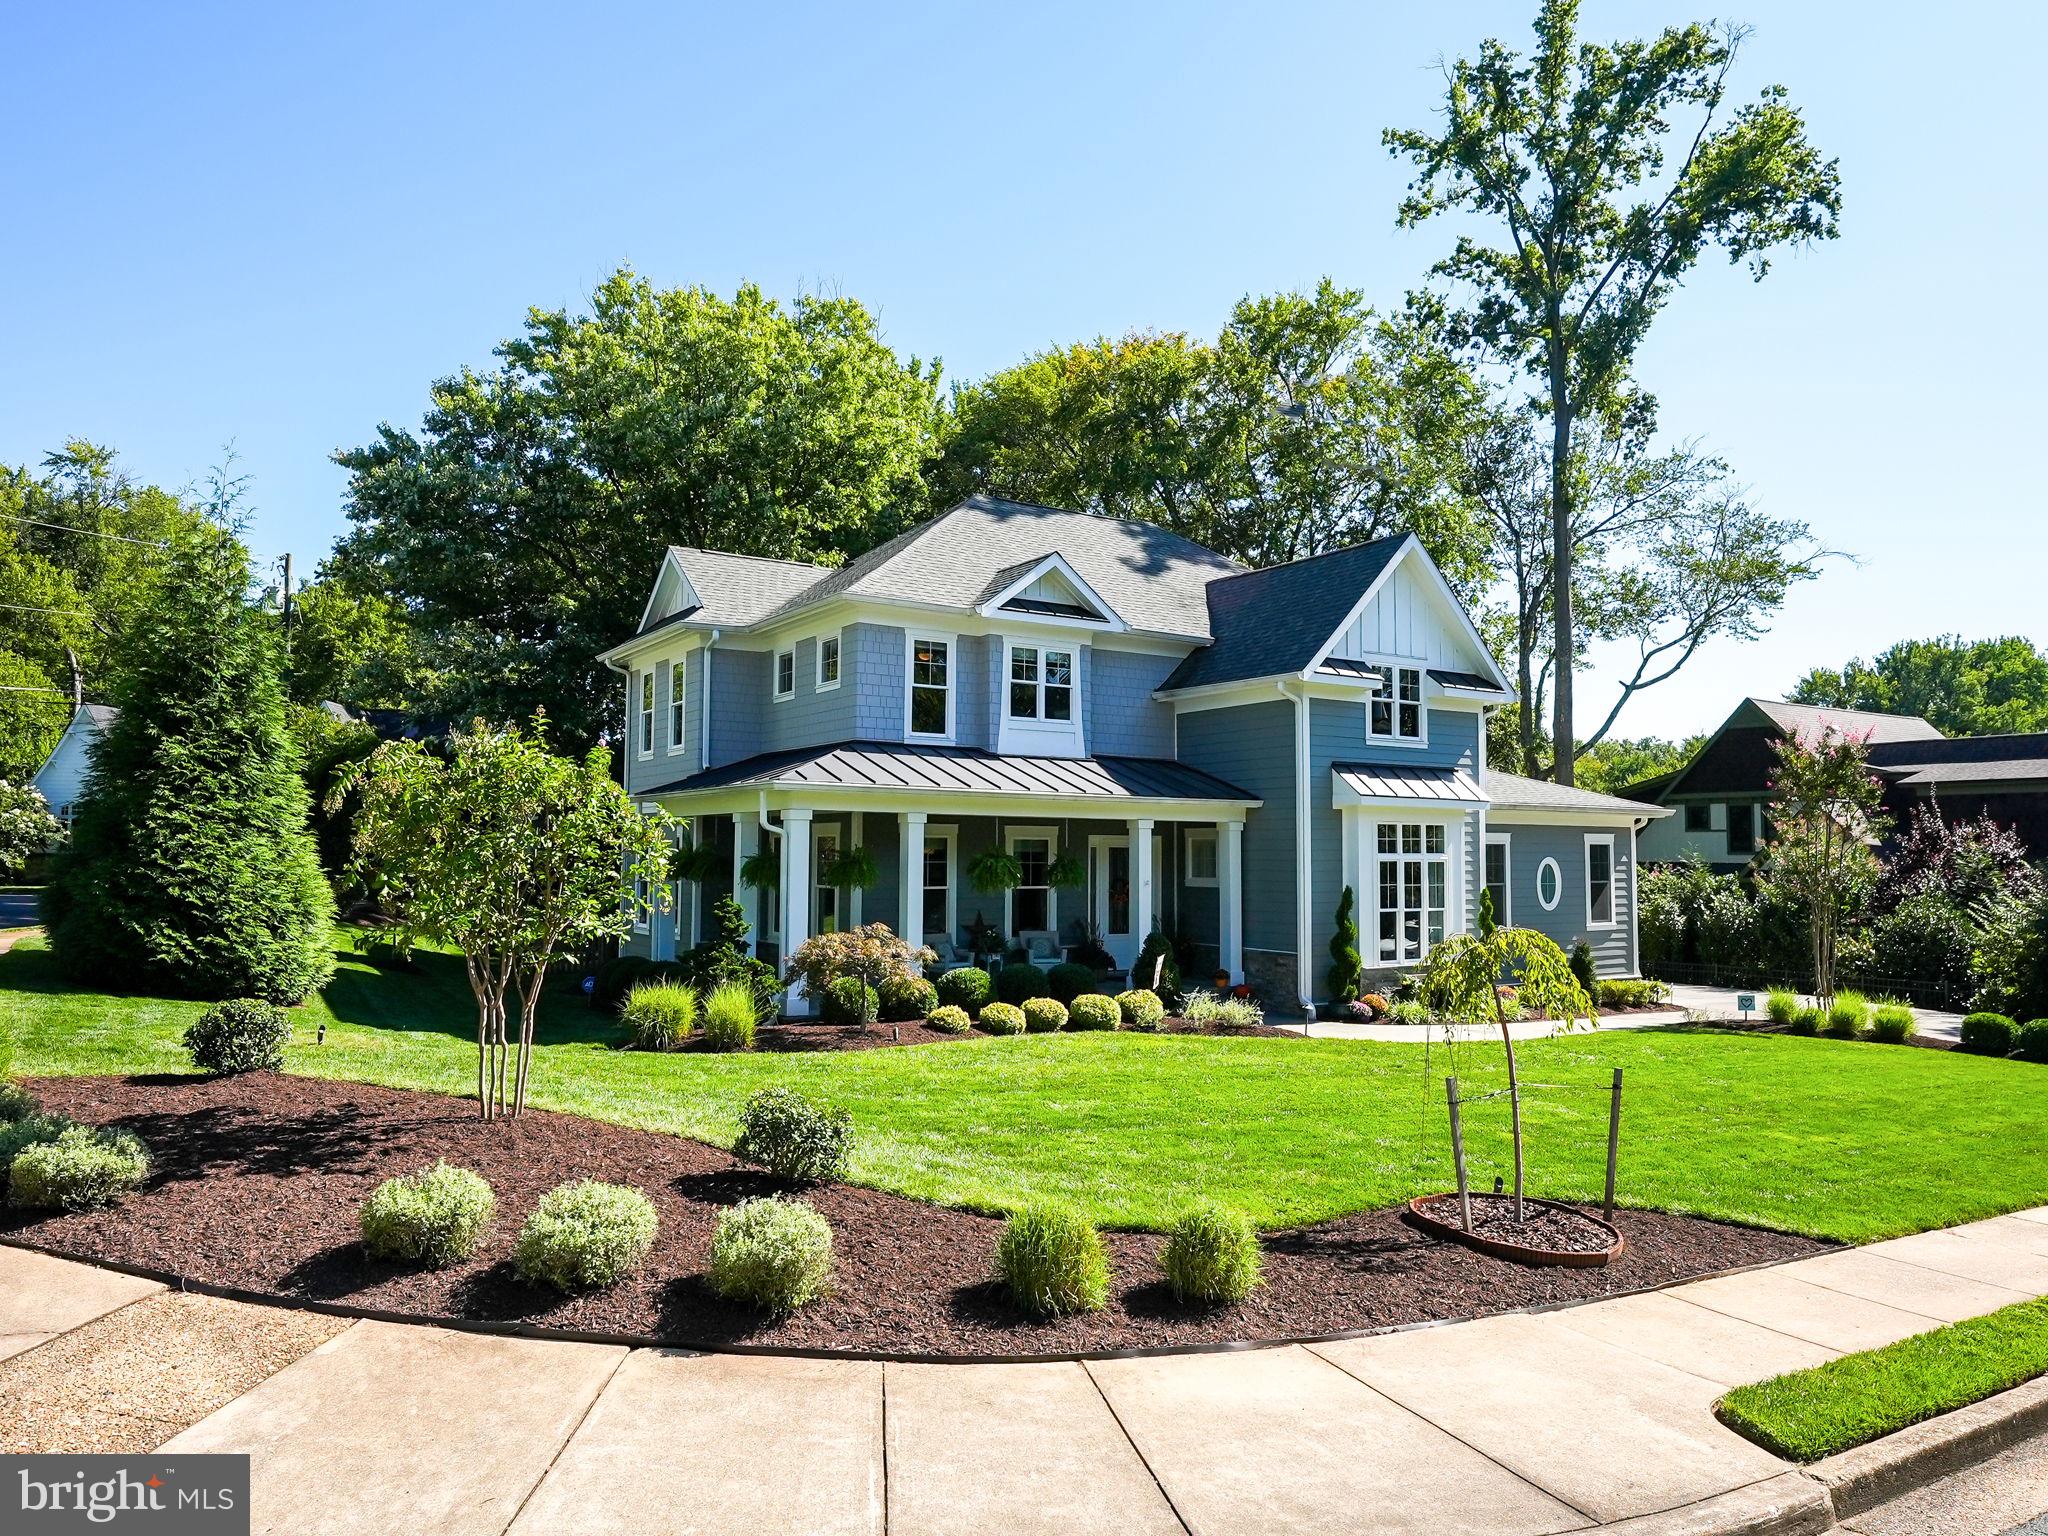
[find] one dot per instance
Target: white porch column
(1230, 897)
(910, 923)
(746, 841)
(855, 840)
(796, 895)
(1142, 876)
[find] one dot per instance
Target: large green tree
(1602, 199)
(1309, 423)
(190, 867)
(1965, 687)
(519, 528)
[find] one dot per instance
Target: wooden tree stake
(1613, 1144)
(1458, 1153)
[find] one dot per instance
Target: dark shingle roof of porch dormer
(888, 765)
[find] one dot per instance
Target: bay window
(1411, 879)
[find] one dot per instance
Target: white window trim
(1556, 871)
(1612, 919)
(678, 717)
(1505, 919)
(1041, 720)
(1192, 836)
(642, 903)
(1050, 836)
(1453, 858)
(952, 645)
(950, 836)
(818, 682)
(643, 729)
(821, 830)
(1398, 665)
(775, 673)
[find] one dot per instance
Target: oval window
(1549, 885)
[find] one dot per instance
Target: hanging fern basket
(851, 869)
(762, 871)
(994, 872)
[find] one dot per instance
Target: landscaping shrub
(1141, 1008)
(1212, 1255)
(1002, 1019)
(616, 979)
(81, 1169)
(1157, 953)
(584, 1235)
(967, 988)
(1848, 1015)
(1067, 980)
(729, 1017)
(1630, 992)
(905, 998)
(771, 1253)
(2030, 1040)
(1808, 1020)
(850, 1002)
(1781, 1005)
(241, 1035)
(1376, 1005)
(1020, 982)
(434, 1217)
(950, 1020)
(16, 1103)
(1582, 968)
(1093, 1010)
(1893, 1023)
(1408, 1010)
(792, 1137)
(660, 1014)
(1345, 964)
(1988, 1033)
(1044, 1015)
(30, 1130)
(1051, 1261)
(1928, 938)
(1216, 1012)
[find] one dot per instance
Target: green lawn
(1835, 1139)
(1814, 1413)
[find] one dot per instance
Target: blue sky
(276, 224)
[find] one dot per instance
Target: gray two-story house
(1221, 750)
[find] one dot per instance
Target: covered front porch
(1104, 850)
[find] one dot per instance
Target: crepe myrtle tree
(1462, 981)
(1826, 813)
(874, 954)
(511, 855)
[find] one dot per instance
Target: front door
(1111, 892)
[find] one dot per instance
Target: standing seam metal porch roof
(1379, 781)
(885, 765)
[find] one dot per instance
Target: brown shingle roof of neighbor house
(1795, 718)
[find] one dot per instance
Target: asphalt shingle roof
(739, 590)
(1269, 622)
(1512, 792)
(1812, 718)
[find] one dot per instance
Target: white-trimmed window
(676, 715)
(1200, 846)
(1395, 713)
(1041, 684)
(828, 662)
(1549, 885)
(937, 880)
(1412, 882)
(785, 675)
(825, 897)
(1600, 880)
(1499, 877)
(640, 904)
(646, 737)
(1030, 900)
(931, 686)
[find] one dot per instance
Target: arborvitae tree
(191, 868)
(1345, 965)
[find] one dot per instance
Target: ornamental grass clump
(82, 1169)
(1094, 1010)
(1141, 1008)
(1781, 1006)
(1893, 1023)
(948, 1020)
(435, 1217)
(243, 1034)
(1808, 1020)
(794, 1138)
(660, 1014)
(1848, 1015)
(585, 1235)
(1211, 1256)
(1044, 1015)
(1051, 1261)
(729, 1017)
(1002, 1019)
(1213, 1012)
(772, 1254)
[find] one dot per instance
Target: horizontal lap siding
(1613, 948)
(1252, 746)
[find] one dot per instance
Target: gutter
(1304, 884)
(704, 706)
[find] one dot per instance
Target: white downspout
(1304, 883)
(704, 708)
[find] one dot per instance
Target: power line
(91, 533)
(24, 688)
(78, 613)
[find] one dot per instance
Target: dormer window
(1396, 708)
(1041, 684)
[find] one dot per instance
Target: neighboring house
(62, 775)
(1721, 798)
(1224, 749)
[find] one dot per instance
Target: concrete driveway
(1720, 1004)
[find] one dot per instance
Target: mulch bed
(1555, 1228)
(258, 1180)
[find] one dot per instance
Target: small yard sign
(1746, 1001)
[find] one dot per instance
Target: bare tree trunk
(529, 1012)
(1562, 753)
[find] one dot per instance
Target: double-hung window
(1699, 816)
(785, 675)
(1201, 856)
(1396, 709)
(676, 714)
(1600, 881)
(1031, 897)
(1497, 882)
(824, 849)
(931, 680)
(938, 886)
(646, 737)
(828, 662)
(1412, 874)
(1741, 827)
(1041, 684)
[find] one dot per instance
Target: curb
(1860, 1479)
(1790, 1504)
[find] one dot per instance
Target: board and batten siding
(1405, 618)
(1528, 846)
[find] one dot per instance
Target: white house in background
(62, 775)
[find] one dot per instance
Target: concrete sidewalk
(1525, 1423)
(1719, 1004)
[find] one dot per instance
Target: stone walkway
(1525, 1423)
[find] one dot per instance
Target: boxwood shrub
(585, 1235)
(2030, 1041)
(1141, 1008)
(660, 1014)
(84, 1167)
(850, 1002)
(1212, 1255)
(1044, 1015)
(244, 1034)
(967, 988)
(1093, 1010)
(1989, 1033)
(1021, 981)
(435, 1217)
(949, 1020)
(771, 1253)
(905, 998)
(1002, 1019)
(1051, 1261)
(1068, 980)
(30, 1130)
(794, 1138)
(16, 1103)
